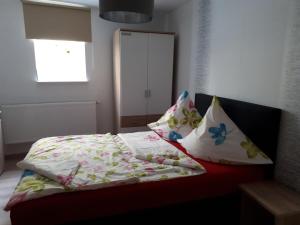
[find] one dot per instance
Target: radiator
(25, 123)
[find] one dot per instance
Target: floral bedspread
(86, 162)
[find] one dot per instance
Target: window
(60, 61)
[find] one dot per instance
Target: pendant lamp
(127, 11)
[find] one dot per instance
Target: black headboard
(260, 123)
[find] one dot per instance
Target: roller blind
(57, 21)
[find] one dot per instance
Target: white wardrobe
(143, 74)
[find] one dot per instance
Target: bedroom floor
(8, 181)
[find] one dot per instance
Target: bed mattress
(74, 206)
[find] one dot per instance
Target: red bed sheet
(69, 207)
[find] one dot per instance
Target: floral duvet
(85, 162)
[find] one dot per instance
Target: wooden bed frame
(260, 123)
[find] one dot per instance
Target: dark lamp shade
(127, 11)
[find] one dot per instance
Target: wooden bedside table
(269, 202)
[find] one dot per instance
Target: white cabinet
(143, 71)
(133, 74)
(160, 72)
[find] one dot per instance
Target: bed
(260, 123)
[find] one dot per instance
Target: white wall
(247, 49)
(180, 21)
(17, 65)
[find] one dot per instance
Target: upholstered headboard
(259, 123)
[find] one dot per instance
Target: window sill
(62, 82)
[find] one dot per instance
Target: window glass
(60, 61)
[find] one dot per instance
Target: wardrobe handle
(147, 93)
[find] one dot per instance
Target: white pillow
(218, 139)
(179, 120)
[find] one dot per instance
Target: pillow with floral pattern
(179, 120)
(218, 139)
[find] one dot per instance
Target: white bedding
(85, 162)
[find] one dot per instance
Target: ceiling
(160, 5)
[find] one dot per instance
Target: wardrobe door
(160, 73)
(133, 76)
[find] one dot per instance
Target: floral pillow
(179, 120)
(218, 139)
